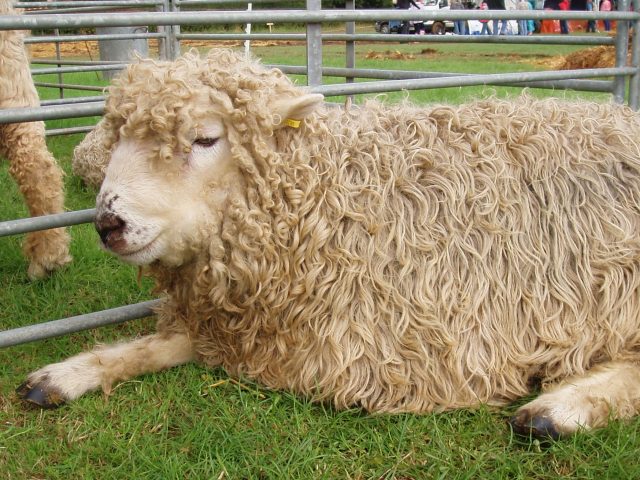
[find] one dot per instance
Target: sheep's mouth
(139, 254)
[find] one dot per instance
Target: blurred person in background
(498, 5)
(523, 24)
(485, 23)
(564, 25)
(605, 6)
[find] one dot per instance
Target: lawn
(196, 423)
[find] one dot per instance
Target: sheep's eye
(205, 142)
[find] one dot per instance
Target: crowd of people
(500, 27)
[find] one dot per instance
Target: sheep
(395, 258)
(30, 163)
(90, 157)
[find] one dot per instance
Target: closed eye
(205, 142)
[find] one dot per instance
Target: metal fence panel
(623, 80)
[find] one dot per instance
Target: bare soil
(90, 48)
(603, 56)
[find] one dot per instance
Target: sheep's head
(188, 137)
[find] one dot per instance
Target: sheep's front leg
(65, 381)
(608, 391)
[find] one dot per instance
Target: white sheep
(397, 258)
(30, 163)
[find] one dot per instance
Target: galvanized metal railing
(622, 80)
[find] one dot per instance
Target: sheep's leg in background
(40, 180)
(608, 391)
(104, 365)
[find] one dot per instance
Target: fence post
(169, 46)
(350, 46)
(174, 30)
(163, 41)
(247, 30)
(634, 80)
(314, 47)
(56, 32)
(622, 42)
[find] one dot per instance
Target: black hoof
(39, 395)
(539, 427)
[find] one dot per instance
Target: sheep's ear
(290, 110)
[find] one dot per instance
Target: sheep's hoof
(40, 394)
(47, 251)
(538, 426)
(39, 269)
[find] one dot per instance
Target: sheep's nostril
(107, 225)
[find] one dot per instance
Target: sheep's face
(149, 209)
(182, 134)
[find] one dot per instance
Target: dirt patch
(389, 55)
(551, 62)
(597, 57)
(74, 49)
(90, 48)
(603, 56)
(397, 55)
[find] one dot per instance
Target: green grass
(452, 58)
(194, 423)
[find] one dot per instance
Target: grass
(196, 423)
(453, 58)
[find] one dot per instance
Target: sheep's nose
(109, 227)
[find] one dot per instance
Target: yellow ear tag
(289, 122)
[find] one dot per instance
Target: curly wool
(30, 163)
(91, 157)
(16, 85)
(404, 258)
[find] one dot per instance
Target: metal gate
(621, 81)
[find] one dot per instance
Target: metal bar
(21, 22)
(174, 31)
(81, 10)
(33, 114)
(350, 46)
(604, 86)
(96, 108)
(56, 220)
(314, 46)
(394, 38)
(56, 328)
(247, 30)
(89, 68)
(44, 61)
(85, 38)
(462, 81)
(218, 2)
(622, 39)
(502, 39)
(163, 41)
(71, 100)
(56, 33)
(68, 86)
(102, 3)
(68, 131)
